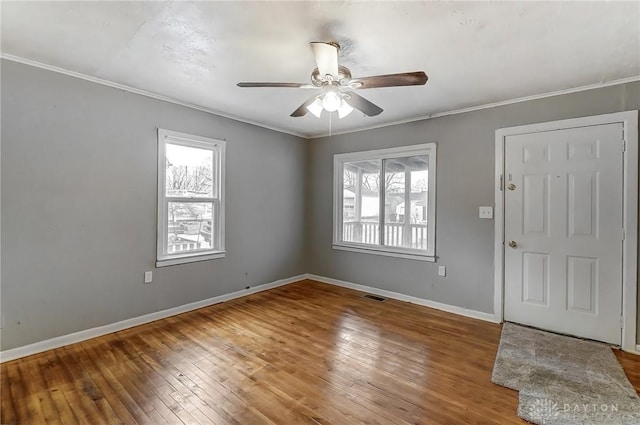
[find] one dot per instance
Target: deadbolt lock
(513, 244)
(512, 186)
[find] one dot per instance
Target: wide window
(190, 198)
(384, 201)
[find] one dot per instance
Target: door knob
(513, 244)
(512, 186)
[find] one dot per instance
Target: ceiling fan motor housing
(343, 77)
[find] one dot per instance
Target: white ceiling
(475, 53)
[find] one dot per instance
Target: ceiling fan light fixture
(331, 101)
(316, 107)
(344, 109)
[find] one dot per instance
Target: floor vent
(374, 297)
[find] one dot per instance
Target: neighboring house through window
(384, 201)
(190, 198)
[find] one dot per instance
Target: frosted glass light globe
(344, 109)
(316, 107)
(331, 101)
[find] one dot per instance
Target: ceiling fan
(337, 85)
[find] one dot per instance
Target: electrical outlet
(148, 277)
(486, 212)
(442, 271)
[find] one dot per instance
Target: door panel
(535, 278)
(582, 281)
(563, 211)
(583, 204)
(535, 204)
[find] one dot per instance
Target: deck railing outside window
(368, 232)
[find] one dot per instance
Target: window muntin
(372, 190)
(190, 198)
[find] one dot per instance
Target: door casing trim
(629, 120)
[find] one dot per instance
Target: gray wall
(79, 203)
(79, 200)
(465, 181)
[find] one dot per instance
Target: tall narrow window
(385, 201)
(190, 198)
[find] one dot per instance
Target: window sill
(378, 251)
(172, 261)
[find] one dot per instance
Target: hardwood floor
(305, 353)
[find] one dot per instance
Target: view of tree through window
(384, 200)
(405, 218)
(404, 227)
(361, 201)
(189, 171)
(190, 198)
(189, 174)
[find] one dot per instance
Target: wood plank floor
(305, 353)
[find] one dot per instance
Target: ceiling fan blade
(302, 110)
(362, 104)
(418, 78)
(326, 55)
(285, 85)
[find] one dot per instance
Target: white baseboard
(488, 317)
(60, 341)
(84, 335)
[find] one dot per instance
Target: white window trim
(338, 159)
(184, 139)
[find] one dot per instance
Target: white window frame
(218, 149)
(428, 149)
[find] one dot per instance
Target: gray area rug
(564, 380)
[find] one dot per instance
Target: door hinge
(621, 322)
(624, 145)
(501, 182)
(624, 234)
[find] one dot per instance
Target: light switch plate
(442, 271)
(148, 277)
(486, 212)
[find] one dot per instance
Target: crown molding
(490, 105)
(145, 93)
(130, 89)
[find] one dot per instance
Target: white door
(563, 230)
